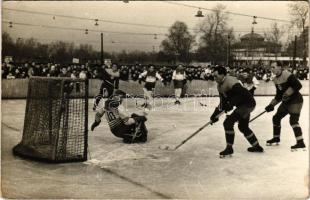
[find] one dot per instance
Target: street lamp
(199, 13)
(254, 20)
(96, 24)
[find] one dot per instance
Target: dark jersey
(283, 82)
(108, 79)
(231, 91)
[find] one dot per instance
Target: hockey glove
(252, 90)
(214, 117)
(227, 107)
(139, 119)
(134, 115)
(269, 108)
(140, 81)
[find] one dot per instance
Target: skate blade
(272, 144)
(299, 149)
(256, 151)
(225, 156)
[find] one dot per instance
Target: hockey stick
(189, 137)
(257, 116)
(139, 107)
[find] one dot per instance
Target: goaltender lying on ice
(132, 129)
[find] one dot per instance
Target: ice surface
(144, 171)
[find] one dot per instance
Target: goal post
(56, 120)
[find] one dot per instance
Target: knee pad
(242, 128)
(276, 120)
(99, 114)
(294, 118)
(228, 124)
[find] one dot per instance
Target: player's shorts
(178, 84)
(106, 90)
(124, 130)
(294, 108)
(149, 86)
(244, 111)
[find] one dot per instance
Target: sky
(158, 13)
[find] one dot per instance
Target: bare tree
(273, 37)
(179, 42)
(299, 12)
(8, 47)
(215, 32)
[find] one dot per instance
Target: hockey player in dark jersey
(131, 128)
(287, 92)
(110, 80)
(232, 93)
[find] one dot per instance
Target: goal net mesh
(55, 124)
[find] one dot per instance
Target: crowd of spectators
(130, 72)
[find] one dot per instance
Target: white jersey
(150, 79)
(178, 76)
(116, 116)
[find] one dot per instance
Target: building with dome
(253, 49)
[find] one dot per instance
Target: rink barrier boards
(17, 88)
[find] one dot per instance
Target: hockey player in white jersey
(179, 79)
(131, 128)
(150, 76)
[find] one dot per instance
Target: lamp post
(176, 57)
(228, 50)
(101, 58)
(252, 38)
(294, 53)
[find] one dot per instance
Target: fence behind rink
(17, 88)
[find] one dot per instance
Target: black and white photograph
(155, 100)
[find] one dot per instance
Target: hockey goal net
(56, 123)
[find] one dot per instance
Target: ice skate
(94, 125)
(96, 102)
(256, 148)
(127, 140)
(145, 105)
(227, 152)
(142, 139)
(274, 140)
(202, 104)
(299, 146)
(177, 102)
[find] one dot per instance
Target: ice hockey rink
(143, 171)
